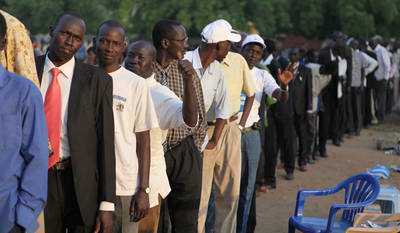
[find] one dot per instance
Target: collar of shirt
(227, 61)
(3, 76)
(67, 69)
(151, 80)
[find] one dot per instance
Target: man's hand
(187, 69)
(211, 145)
(104, 222)
(287, 75)
(139, 206)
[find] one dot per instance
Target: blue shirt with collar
(23, 153)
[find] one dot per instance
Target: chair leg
(291, 228)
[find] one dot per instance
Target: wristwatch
(145, 189)
(240, 127)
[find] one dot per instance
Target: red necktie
(52, 108)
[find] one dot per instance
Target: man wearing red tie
(78, 109)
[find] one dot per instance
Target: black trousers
(381, 97)
(328, 119)
(17, 229)
(300, 125)
(62, 211)
(184, 170)
(356, 100)
(390, 96)
(278, 137)
(371, 82)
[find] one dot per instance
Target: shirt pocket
(10, 131)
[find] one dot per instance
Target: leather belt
(61, 165)
(255, 126)
(232, 118)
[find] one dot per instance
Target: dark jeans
(381, 96)
(62, 210)
(184, 170)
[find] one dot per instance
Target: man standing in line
(78, 107)
(134, 116)
(381, 75)
(183, 146)
(362, 65)
(23, 149)
(171, 113)
(221, 160)
(252, 50)
(300, 100)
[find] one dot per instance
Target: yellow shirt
(18, 56)
(238, 79)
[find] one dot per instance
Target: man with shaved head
(134, 117)
(171, 113)
(78, 109)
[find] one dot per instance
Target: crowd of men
(149, 137)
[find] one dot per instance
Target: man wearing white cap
(252, 50)
(220, 160)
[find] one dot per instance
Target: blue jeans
(251, 150)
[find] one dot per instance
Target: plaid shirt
(172, 78)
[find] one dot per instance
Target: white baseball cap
(219, 30)
(254, 38)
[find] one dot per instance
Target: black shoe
(323, 154)
(289, 176)
(271, 186)
(336, 142)
(303, 168)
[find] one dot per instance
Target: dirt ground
(356, 155)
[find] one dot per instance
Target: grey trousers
(122, 223)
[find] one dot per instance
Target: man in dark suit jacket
(300, 103)
(81, 182)
(329, 101)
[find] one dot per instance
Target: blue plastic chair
(360, 190)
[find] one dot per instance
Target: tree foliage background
(311, 18)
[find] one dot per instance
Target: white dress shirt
(133, 112)
(168, 108)
(213, 84)
(65, 80)
(264, 83)
(383, 71)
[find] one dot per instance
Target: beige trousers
(149, 224)
(223, 166)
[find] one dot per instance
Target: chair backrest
(360, 188)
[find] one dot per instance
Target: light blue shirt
(23, 153)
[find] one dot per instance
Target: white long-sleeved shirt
(383, 71)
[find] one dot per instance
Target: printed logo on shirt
(119, 102)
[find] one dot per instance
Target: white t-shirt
(133, 112)
(264, 83)
(168, 108)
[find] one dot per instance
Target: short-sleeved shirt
(238, 79)
(216, 99)
(264, 83)
(134, 112)
(174, 81)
